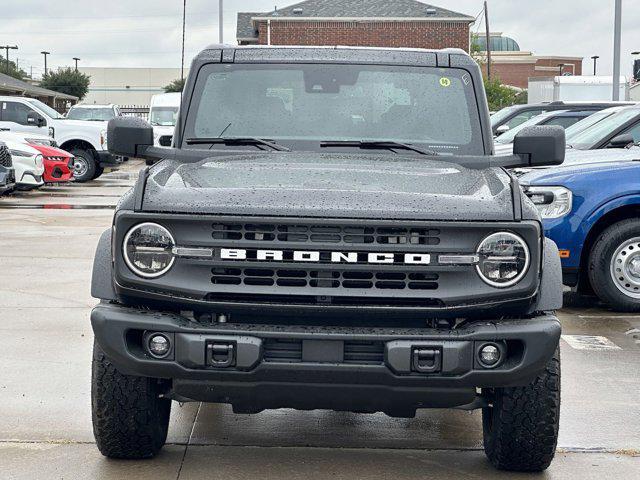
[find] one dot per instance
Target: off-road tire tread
(130, 420)
(600, 263)
(523, 431)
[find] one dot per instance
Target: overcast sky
(129, 33)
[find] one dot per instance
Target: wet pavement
(46, 253)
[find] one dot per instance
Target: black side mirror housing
(165, 140)
(129, 136)
(34, 119)
(540, 146)
(621, 141)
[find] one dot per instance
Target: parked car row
(28, 161)
(590, 205)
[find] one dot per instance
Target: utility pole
(221, 22)
(595, 64)
(45, 62)
(184, 25)
(76, 60)
(617, 39)
(486, 21)
(7, 48)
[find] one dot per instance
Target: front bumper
(310, 367)
(105, 159)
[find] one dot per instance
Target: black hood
(330, 185)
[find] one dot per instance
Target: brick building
(381, 23)
(514, 67)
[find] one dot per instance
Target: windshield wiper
(237, 141)
(373, 144)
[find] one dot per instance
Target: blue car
(591, 209)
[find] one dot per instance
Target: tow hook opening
(221, 354)
(426, 360)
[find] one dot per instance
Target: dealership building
(381, 23)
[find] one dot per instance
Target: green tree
(500, 96)
(67, 80)
(14, 71)
(176, 86)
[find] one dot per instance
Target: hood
(19, 146)
(98, 124)
(569, 173)
(51, 151)
(21, 137)
(330, 185)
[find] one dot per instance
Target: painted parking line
(590, 342)
(610, 317)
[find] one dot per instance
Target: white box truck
(574, 89)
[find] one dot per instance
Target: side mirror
(622, 141)
(36, 120)
(129, 136)
(540, 146)
(165, 140)
(502, 129)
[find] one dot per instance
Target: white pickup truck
(86, 140)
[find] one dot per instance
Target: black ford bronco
(329, 230)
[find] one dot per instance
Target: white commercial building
(127, 86)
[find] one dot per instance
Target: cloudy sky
(129, 33)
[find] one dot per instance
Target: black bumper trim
(106, 159)
(301, 385)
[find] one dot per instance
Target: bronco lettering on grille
(307, 256)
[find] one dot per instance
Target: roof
(13, 85)
(351, 9)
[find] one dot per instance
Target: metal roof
(352, 9)
(13, 85)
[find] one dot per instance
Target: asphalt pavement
(47, 242)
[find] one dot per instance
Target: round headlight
(503, 259)
(147, 250)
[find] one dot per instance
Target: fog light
(159, 345)
(489, 355)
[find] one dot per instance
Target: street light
(7, 48)
(76, 60)
(595, 64)
(45, 62)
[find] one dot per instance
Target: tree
(176, 86)
(500, 96)
(67, 80)
(14, 71)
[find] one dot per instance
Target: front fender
(102, 277)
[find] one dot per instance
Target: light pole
(7, 48)
(595, 64)
(220, 22)
(617, 40)
(45, 62)
(184, 25)
(76, 60)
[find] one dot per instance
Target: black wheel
(84, 165)
(99, 171)
(614, 265)
(521, 424)
(130, 419)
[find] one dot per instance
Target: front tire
(84, 165)
(614, 266)
(130, 419)
(521, 425)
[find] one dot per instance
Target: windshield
(44, 107)
(163, 116)
(509, 136)
(307, 104)
(500, 115)
(588, 122)
(599, 132)
(97, 114)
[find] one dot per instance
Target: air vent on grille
(5, 157)
(332, 234)
(355, 352)
(325, 279)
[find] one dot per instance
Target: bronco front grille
(5, 157)
(355, 352)
(334, 279)
(327, 234)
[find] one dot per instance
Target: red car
(58, 164)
